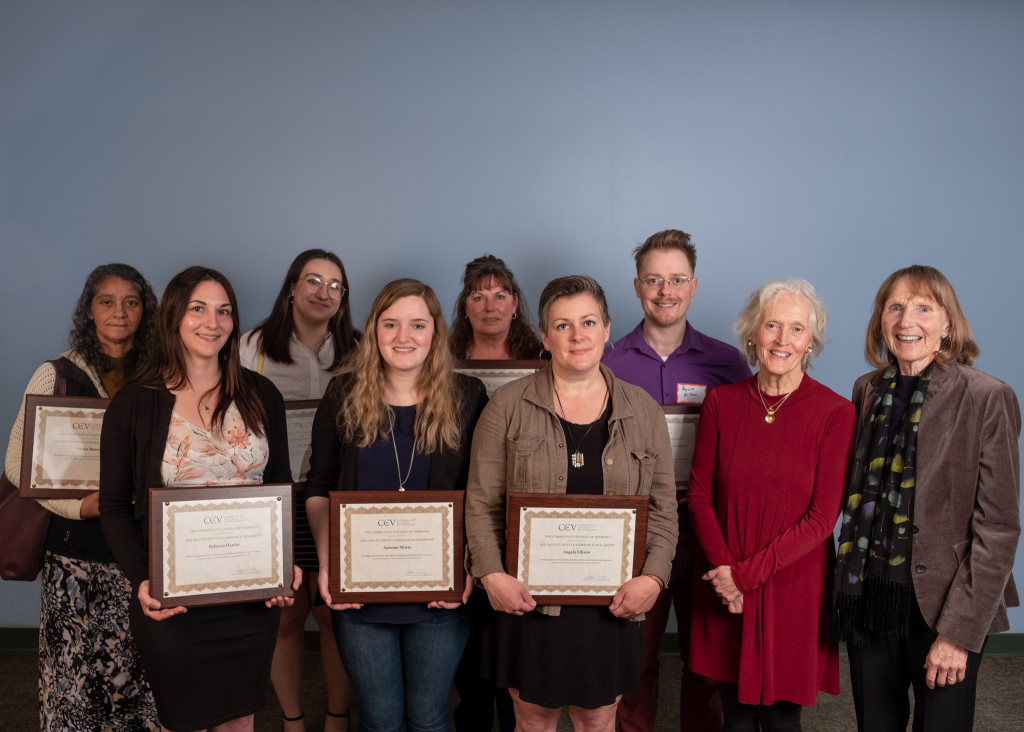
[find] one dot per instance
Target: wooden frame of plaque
(572, 508)
(36, 482)
(296, 439)
(412, 564)
(197, 514)
(498, 373)
(679, 418)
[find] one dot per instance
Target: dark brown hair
(276, 330)
(522, 341)
(167, 364)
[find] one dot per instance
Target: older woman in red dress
(765, 490)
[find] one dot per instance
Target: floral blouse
(195, 456)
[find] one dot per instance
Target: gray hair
(764, 296)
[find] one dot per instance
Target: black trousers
(782, 716)
(883, 673)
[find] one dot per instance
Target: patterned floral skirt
(90, 675)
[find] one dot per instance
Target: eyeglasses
(673, 282)
(313, 285)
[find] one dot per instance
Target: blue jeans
(402, 672)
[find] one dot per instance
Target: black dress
(210, 664)
(585, 656)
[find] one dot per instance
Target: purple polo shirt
(700, 363)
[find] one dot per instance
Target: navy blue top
(376, 470)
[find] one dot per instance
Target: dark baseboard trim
(23, 639)
(27, 639)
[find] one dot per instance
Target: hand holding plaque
(575, 550)
(396, 546)
(220, 545)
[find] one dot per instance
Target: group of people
(922, 466)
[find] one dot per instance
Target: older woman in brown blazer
(930, 522)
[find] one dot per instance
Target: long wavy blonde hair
(364, 414)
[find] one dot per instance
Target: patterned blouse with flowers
(195, 456)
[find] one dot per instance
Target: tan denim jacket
(519, 447)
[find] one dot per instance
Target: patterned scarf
(872, 585)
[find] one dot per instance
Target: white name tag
(691, 393)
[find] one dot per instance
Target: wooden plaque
(220, 545)
(396, 546)
(575, 549)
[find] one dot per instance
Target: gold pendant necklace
(770, 416)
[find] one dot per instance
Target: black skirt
(208, 665)
(585, 657)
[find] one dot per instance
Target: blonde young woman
(396, 418)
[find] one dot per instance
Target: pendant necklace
(577, 456)
(402, 481)
(199, 399)
(770, 416)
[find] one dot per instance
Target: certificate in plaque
(299, 416)
(682, 431)
(575, 549)
(396, 546)
(60, 454)
(498, 373)
(219, 545)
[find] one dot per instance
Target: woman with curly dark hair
(491, 320)
(90, 676)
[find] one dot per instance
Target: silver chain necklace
(401, 481)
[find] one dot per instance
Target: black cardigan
(332, 463)
(135, 428)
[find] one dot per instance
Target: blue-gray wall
(830, 140)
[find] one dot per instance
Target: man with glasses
(676, 364)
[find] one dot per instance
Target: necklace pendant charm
(769, 418)
(401, 489)
(577, 459)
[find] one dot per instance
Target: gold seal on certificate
(498, 373)
(682, 432)
(220, 545)
(299, 415)
(60, 455)
(575, 549)
(391, 546)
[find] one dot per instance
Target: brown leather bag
(23, 522)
